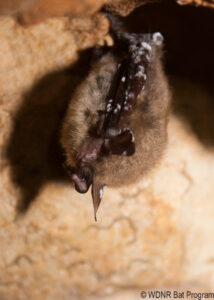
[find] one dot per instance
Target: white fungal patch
(133, 48)
(137, 52)
(118, 106)
(137, 59)
(148, 57)
(139, 74)
(109, 107)
(123, 79)
(101, 193)
(115, 111)
(141, 69)
(110, 101)
(157, 38)
(130, 37)
(146, 46)
(131, 95)
(124, 153)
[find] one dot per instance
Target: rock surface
(154, 234)
(35, 11)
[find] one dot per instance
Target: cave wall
(156, 233)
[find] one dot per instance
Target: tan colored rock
(43, 9)
(156, 233)
(13, 7)
(124, 7)
(206, 3)
(34, 11)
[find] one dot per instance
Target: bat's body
(115, 129)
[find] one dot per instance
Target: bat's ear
(97, 194)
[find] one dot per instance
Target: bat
(115, 128)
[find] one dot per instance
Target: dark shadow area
(34, 150)
(195, 105)
(188, 34)
(189, 54)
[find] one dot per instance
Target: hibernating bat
(115, 129)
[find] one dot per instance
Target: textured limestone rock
(35, 11)
(156, 233)
(206, 3)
